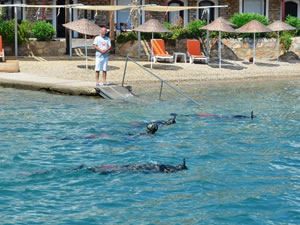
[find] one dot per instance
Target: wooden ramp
(114, 92)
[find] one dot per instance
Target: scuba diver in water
(144, 168)
(111, 169)
(228, 116)
(150, 130)
(221, 116)
(170, 121)
(166, 122)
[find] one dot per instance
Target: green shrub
(166, 35)
(2, 14)
(24, 31)
(148, 36)
(295, 22)
(126, 36)
(167, 25)
(286, 40)
(7, 31)
(181, 33)
(194, 28)
(43, 31)
(240, 19)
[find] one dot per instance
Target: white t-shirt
(103, 44)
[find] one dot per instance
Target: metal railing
(161, 80)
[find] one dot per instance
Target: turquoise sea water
(241, 171)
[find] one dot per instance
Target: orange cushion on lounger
(159, 48)
(198, 56)
(193, 47)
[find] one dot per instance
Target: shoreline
(64, 76)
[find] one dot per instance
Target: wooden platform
(114, 92)
(10, 66)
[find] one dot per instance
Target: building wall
(274, 10)
(155, 15)
(35, 14)
(233, 7)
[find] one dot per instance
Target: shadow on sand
(262, 64)
(110, 68)
(226, 65)
(163, 66)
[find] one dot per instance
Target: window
(123, 16)
(291, 8)
(254, 6)
(202, 14)
(10, 11)
(176, 17)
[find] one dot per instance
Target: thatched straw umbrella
(280, 26)
(221, 26)
(85, 27)
(152, 26)
(221, 19)
(254, 27)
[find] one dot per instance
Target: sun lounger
(194, 51)
(159, 51)
(1, 50)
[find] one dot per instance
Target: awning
(154, 8)
(102, 7)
(157, 8)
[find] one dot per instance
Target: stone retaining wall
(39, 48)
(232, 48)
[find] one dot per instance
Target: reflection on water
(241, 171)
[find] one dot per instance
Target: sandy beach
(178, 74)
(173, 72)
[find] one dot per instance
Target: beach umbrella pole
(70, 33)
(207, 35)
(151, 50)
(219, 50)
(86, 56)
(254, 49)
(139, 44)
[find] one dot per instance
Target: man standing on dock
(102, 45)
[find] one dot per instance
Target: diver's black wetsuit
(221, 116)
(166, 122)
(170, 121)
(145, 168)
(130, 168)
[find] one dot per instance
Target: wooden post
(44, 11)
(112, 23)
(283, 10)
